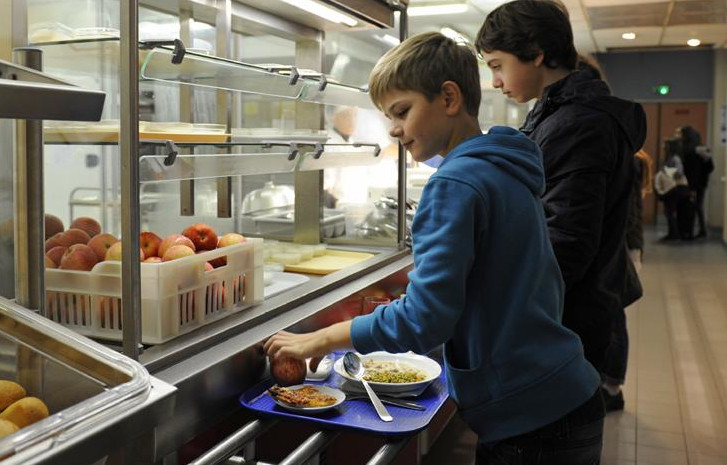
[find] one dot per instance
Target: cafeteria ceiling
(598, 25)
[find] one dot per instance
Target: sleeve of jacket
(578, 165)
(444, 235)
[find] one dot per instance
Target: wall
(632, 75)
(716, 193)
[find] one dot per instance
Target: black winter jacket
(588, 139)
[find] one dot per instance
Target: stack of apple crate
(177, 296)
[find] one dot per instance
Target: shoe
(613, 403)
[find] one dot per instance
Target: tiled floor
(676, 386)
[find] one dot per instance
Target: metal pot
(268, 198)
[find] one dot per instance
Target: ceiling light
(446, 9)
(628, 35)
(323, 11)
(694, 42)
(454, 35)
(388, 39)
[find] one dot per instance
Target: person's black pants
(699, 207)
(575, 439)
(615, 362)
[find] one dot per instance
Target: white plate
(431, 369)
(327, 390)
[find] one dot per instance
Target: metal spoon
(353, 366)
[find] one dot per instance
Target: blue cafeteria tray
(354, 415)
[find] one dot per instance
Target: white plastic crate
(176, 296)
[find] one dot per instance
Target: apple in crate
(177, 251)
(89, 225)
(78, 257)
(153, 260)
(53, 225)
(202, 235)
(150, 243)
(114, 253)
(75, 236)
(56, 253)
(174, 239)
(101, 244)
(49, 263)
(227, 240)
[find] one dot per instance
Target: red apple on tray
(56, 253)
(174, 239)
(202, 235)
(150, 243)
(78, 257)
(114, 253)
(101, 244)
(224, 241)
(177, 251)
(53, 225)
(89, 225)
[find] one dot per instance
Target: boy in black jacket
(588, 139)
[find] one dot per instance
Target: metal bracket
(324, 82)
(172, 152)
(293, 150)
(377, 148)
(318, 150)
(179, 49)
(294, 76)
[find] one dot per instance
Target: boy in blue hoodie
(486, 283)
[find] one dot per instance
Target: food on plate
(89, 225)
(378, 371)
(288, 371)
(177, 251)
(79, 257)
(307, 396)
(202, 235)
(174, 239)
(53, 225)
(25, 411)
(150, 243)
(10, 392)
(101, 243)
(7, 428)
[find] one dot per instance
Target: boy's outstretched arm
(315, 344)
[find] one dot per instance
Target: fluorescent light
(454, 35)
(388, 39)
(694, 42)
(323, 11)
(446, 9)
(628, 35)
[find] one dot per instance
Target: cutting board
(332, 260)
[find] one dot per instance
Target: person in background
(672, 188)
(588, 138)
(485, 283)
(341, 122)
(697, 167)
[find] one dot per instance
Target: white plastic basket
(176, 296)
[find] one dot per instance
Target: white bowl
(429, 367)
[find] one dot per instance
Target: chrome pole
(29, 218)
(129, 150)
(401, 225)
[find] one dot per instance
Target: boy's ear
(539, 59)
(452, 97)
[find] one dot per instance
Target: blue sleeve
(444, 235)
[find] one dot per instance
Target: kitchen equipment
(354, 368)
(382, 221)
(267, 199)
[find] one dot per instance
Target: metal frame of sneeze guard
(129, 383)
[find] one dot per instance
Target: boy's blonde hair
(422, 63)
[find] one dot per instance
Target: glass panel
(152, 168)
(337, 94)
(200, 70)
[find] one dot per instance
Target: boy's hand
(316, 344)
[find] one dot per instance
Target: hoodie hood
(508, 149)
(583, 88)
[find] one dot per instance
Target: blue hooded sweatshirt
(487, 285)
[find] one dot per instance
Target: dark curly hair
(524, 28)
